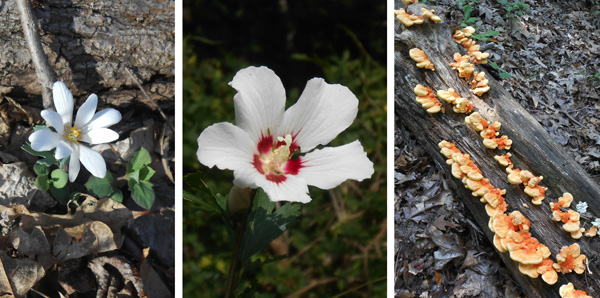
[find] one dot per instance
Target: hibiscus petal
(44, 140)
(86, 111)
(321, 113)
(293, 189)
(92, 161)
(62, 150)
(53, 119)
(328, 167)
(63, 102)
(260, 101)
(102, 119)
(100, 136)
(74, 164)
(226, 146)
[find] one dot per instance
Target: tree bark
(89, 45)
(533, 149)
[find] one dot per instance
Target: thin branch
(134, 78)
(45, 75)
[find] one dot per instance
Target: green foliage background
(339, 244)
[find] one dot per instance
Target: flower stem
(234, 272)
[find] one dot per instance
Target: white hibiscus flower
(259, 148)
(89, 127)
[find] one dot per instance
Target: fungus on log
(533, 150)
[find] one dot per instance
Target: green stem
(233, 275)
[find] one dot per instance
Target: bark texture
(533, 149)
(89, 45)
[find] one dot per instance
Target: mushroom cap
(498, 244)
(593, 231)
(515, 177)
(546, 269)
(571, 226)
(421, 90)
(568, 291)
(529, 251)
(529, 270)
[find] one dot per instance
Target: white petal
(102, 119)
(293, 189)
(44, 140)
(321, 113)
(328, 167)
(260, 101)
(100, 136)
(62, 150)
(74, 164)
(245, 175)
(53, 119)
(226, 146)
(86, 111)
(92, 161)
(63, 101)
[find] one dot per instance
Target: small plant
(485, 35)
(514, 8)
(468, 20)
(503, 74)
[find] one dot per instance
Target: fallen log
(533, 149)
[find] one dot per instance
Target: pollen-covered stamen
(73, 133)
(273, 161)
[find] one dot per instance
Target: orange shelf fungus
(570, 259)
(592, 232)
(504, 160)
(421, 58)
(460, 104)
(428, 14)
(479, 84)
(427, 99)
(462, 35)
(544, 269)
(407, 19)
(568, 291)
(477, 121)
(462, 64)
(409, 2)
(569, 218)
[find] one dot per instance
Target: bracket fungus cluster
(462, 64)
(409, 2)
(421, 58)
(517, 176)
(460, 104)
(427, 99)
(479, 84)
(462, 37)
(511, 231)
(569, 218)
(570, 259)
(407, 19)
(428, 14)
(489, 132)
(568, 291)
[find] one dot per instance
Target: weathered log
(533, 149)
(90, 45)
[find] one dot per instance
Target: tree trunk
(533, 149)
(89, 45)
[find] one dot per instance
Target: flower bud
(238, 200)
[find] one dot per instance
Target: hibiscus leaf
(139, 159)
(198, 193)
(264, 225)
(142, 193)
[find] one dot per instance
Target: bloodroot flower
(89, 127)
(263, 147)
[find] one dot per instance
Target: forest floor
(548, 57)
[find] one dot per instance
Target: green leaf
(505, 75)
(196, 191)
(467, 11)
(59, 178)
(40, 169)
(62, 195)
(142, 193)
(264, 225)
(145, 173)
(48, 156)
(494, 65)
(139, 159)
(42, 183)
(102, 187)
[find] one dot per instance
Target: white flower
(260, 149)
(581, 207)
(89, 127)
(596, 223)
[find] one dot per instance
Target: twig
(39, 293)
(163, 160)
(312, 284)
(150, 98)
(45, 75)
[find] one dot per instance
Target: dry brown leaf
(86, 239)
(23, 274)
(106, 281)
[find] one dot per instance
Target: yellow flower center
(73, 133)
(273, 161)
